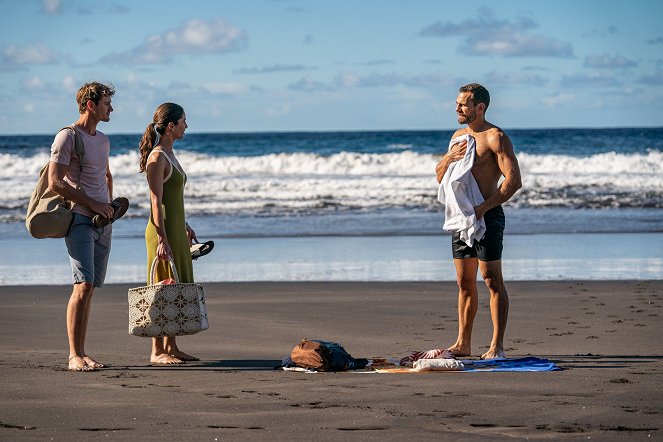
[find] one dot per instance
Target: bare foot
(92, 363)
(183, 356)
(494, 353)
(165, 359)
(76, 363)
(458, 350)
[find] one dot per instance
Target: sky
(309, 65)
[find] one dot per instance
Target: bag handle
(153, 270)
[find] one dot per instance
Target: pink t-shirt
(95, 165)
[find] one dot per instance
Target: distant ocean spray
(262, 175)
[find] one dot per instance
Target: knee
(495, 285)
(466, 287)
(83, 290)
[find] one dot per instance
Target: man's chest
(483, 153)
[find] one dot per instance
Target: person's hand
(479, 212)
(456, 153)
(103, 209)
(163, 250)
(191, 234)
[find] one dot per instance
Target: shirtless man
(494, 158)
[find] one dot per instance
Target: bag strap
(79, 147)
(153, 270)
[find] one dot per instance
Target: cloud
(279, 109)
(34, 83)
(179, 86)
(488, 35)
(274, 68)
(307, 84)
(606, 61)
(594, 79)
(103, 9)
(516, 45)
(194, 36)
(116, 8)
(69, 83)
(37, 53)
(379, 62)
(51, 7)
(351, 79)
(610, 30)
(228, 89)
(558, 99)
(515, 79)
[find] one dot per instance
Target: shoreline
(603, 334)
(599, 256)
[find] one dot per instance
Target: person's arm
(155, 172)
(508, 165)
(56, 183)
(109, 181)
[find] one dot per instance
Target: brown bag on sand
(309, 354)
(324, 356)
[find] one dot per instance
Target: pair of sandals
(120, 206)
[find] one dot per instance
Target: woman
(167, 234)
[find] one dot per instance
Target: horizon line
(309, 131)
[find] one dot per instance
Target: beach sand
(605, 335)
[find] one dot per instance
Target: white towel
(438, 365)
(459, 192)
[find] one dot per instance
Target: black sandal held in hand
(120, 206)
(201, 249)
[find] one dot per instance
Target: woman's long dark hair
(165, 113)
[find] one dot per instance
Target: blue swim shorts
(88, 249)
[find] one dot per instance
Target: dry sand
(605, 335)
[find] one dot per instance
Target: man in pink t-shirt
(88, 247)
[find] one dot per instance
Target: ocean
(326, 187)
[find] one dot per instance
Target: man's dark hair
(479, 93)
(92, 91)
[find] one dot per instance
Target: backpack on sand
(324, 356)
(49, 214)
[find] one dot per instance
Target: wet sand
(605, 335)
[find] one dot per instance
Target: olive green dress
(173, 208)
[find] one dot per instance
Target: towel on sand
(519, 364)
(438, 365)
(529, 364)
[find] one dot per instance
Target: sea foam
(346, 181)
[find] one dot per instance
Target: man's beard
(465, 119)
